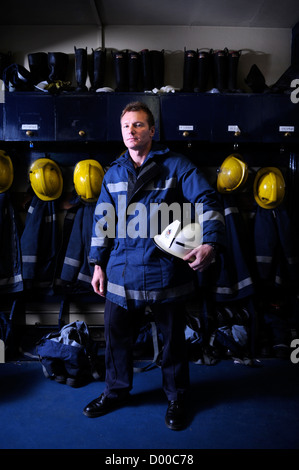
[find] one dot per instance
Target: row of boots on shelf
(130, 68)
(135, 71)
(203, 67)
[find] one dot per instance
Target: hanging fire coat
(229, 277)
(10, 251)
(39, 242)
(127, 218)
(76, 268)
(276, 249)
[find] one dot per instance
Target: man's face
(136, 133)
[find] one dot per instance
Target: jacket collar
(125, 160)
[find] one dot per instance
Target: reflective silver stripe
(292, 260)
(99, 241)
(231, 210)
(150, 295)
(117, 187)
(237, 287)
(50, 218)
(211, 215)
(116, 289)
(169, 183)
(11, 280)
(264, 259)
(84, 277)
(72, 262)
(29, 259)
(31, 209)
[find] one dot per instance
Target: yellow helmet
(6, 172)
(269, 187)
(88, 178)
(232, 174)
(46, 179)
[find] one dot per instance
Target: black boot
(5, 61)
(38, 66)
(147, 72)
(81, 68)
(58, 65)
(189, 71)
(220, 70)
(133, 70)
(121, 70)
(203, 71)
(97, 69)
(157, 64)
(233, 61)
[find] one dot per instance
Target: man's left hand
(201, 257)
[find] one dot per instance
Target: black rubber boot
(189, 71)
(58, 65)
(81, 68)
(221, 70)
(203, 71)
(157, 64)
(133, 70)
(97, 69)
(38, 66)
(5, 61)
(121, 70)
(147, 72)
(233, 61)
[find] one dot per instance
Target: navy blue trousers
(121, 330)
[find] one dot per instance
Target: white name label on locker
(233, 128)
(286, 129)
(186, 128)
(29, 127)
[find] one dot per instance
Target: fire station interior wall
(269, 48)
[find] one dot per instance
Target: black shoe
(103, 405)
(175, 415)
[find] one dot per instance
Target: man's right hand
(99, 280)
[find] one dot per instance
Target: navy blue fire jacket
(229, 277)
(11, 279)
(39, 242)
(125, 222)
(276, 248)
(76, 269)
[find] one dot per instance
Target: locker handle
(82, 133)
(29, 133)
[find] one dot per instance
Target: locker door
(186, 117)
(236, 118)
(81, 117)
(280, 119)
(29, 117)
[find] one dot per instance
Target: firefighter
(132, 273)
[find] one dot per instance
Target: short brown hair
(139, 106)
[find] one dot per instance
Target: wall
(269, 48)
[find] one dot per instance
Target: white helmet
(179, 242)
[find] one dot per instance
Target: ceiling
(243, 13)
